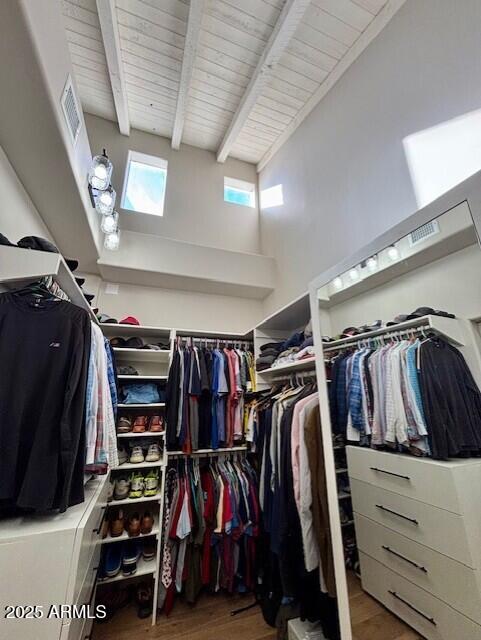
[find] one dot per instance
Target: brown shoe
(133, 525)
(124, 425)
(117, 523)
(147, 523)
(140, 424)
(156, 424)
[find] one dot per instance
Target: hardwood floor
(210, 618)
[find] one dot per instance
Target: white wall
(344, 172)
(18, 215)
(194, 209)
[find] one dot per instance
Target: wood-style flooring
(210, 619)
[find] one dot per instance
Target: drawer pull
(390, 473)
(408, 604)
(399, 515)
(411, 562)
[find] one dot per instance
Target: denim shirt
(111, 376)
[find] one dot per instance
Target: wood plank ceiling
(251, 72)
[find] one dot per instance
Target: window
(239, 192)
(144, 184)
(272, 197)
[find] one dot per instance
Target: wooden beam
(194, 20)
(284, 29)
(373, 30)
(110, 36)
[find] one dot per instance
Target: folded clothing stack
(269, 353)
(146, 393)
(298, 345)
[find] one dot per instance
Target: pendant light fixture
(105, 201)
(109, 223)
(112, 241)
(100, 172)
(102, 197)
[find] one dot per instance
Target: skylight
(144, 184)
(239, 192)
(272, 197)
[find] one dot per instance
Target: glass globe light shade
(100, 172)
(105, 201)
(112, 241)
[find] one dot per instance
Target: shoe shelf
(138, 465)
(343, 470)
(144, 568)
(124, 501)
(135, 378)
(147, 405)
(207, 451)
(144, 434)
(125, 536)
(343, 495)
(141, 355)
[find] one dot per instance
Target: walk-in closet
(240, 320)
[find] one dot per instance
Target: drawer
(89, 537)
(435, 528)
(431, 617)
(448, 580)
(421, 479)
(86, 590)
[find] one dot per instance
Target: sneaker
(143, 597)
(130, 554)
(151, 486)
(136, 485)
(122, 487)
(137, 455)
(123, 455)
(124, 425)
(110, 493)
(153, 454)
(149, 550)
(113, 560)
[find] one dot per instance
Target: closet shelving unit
(22, 266)
(152, 366)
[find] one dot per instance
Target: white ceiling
(237, 81)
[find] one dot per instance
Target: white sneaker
(137, 455)
(153, 454)
(123, 455)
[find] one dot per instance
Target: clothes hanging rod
(205, 453)
(347, 343)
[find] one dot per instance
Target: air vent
(423, 233)
(71, 110)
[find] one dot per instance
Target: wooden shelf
(147, 405)
(127, 501)
(144, 568)
(145, 434)
(291, 367)
(21, 266)
(141, 355)
(125, 536)
(128, 466)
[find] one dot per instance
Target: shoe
(151, 483)
(113, 560)
(146, 523)
(143, 597)
(110, 493)
(140, 424)
(104, 529)
(149, 550)
(117, 523)
(124, 425)
(137, 455)
(122, 488)
(136, 485)
(123, 455)
(132, 525)
(156, 424)
(127, 370)
(153, 453)
(131, 552)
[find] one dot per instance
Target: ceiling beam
(284, 29)
(194, 20)
(110, 36)
(366, 37)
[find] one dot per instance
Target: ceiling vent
(423, 233)
(71, 110)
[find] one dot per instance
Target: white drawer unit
(431, 617)
(447, 579)
(418, 530)
(54, 560)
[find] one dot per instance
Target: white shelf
(134, 378)
(128, 466)
(125, 536)
(144, 568)
(299, 365)
(145, 434)
(207, 451)
(343, 495)
(448, 328)
(126, 501)
(147, 405)
(130, 330)
(343, 470)
(141, 355)
(21, 266)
